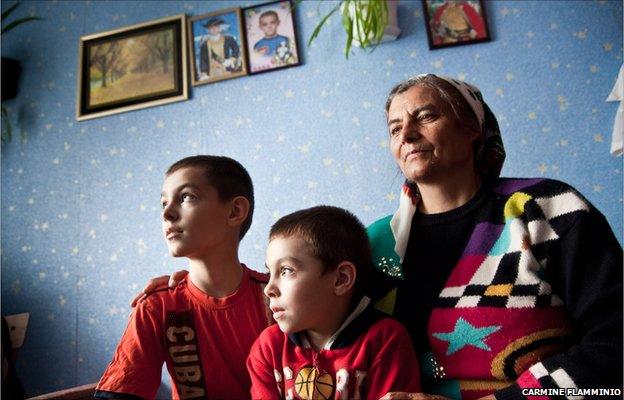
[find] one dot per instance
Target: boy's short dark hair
(267, 13)
(334, 235)
(226, 175)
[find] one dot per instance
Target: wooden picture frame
(131, 68)
(455, 23)
(273, 45)
(217, 46)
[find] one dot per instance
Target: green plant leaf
(347, 23)
(359, 21)
(6, 126)
(371, 17)
(18, 22)
(9, 10)
(320, 25)
(376, 18)
(364, 20)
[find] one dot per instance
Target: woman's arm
(585, 270)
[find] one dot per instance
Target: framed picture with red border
(455, 22)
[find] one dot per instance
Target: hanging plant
(365, 22)
(17, 22)
(10, 69)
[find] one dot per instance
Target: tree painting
(162, 47)
(104, 59)
(131, 68)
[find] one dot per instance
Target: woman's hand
(412, 396)
(170, 280)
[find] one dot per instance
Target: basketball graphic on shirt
(311, 384)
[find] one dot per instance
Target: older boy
(204, 327)
(328, 343)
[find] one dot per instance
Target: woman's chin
(415, 170)
(416, 175)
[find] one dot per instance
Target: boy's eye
(187, 196)
(163, 204)
(286, 271)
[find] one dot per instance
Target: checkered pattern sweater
(535, 300)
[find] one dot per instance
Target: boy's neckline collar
(344, 335)
(220, 302)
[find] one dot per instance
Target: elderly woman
(510, 288)
(505, 284)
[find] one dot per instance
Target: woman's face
(426, 139)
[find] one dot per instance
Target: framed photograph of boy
(217, 44)
(134, 67)
(455, 22)
(271, 36)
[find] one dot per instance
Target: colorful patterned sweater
(532, 308)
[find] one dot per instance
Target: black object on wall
(10, 77)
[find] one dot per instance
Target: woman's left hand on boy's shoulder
(166, 280)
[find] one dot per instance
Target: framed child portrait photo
(271, 36)
(455, 22)
(216, 46)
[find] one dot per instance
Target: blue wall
(80, 200)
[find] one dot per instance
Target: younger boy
(204, 327)
(328, 342)
(268, 23)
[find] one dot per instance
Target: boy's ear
(345, 275)
(239, 210)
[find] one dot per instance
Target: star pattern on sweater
(465, 334)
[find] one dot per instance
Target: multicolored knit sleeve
(582, 261)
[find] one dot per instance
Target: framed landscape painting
(134, 67)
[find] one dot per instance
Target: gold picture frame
(133, 67)
(217, 46)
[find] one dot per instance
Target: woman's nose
(409, 133)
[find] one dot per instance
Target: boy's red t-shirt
(204, 341)
(371, 356)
